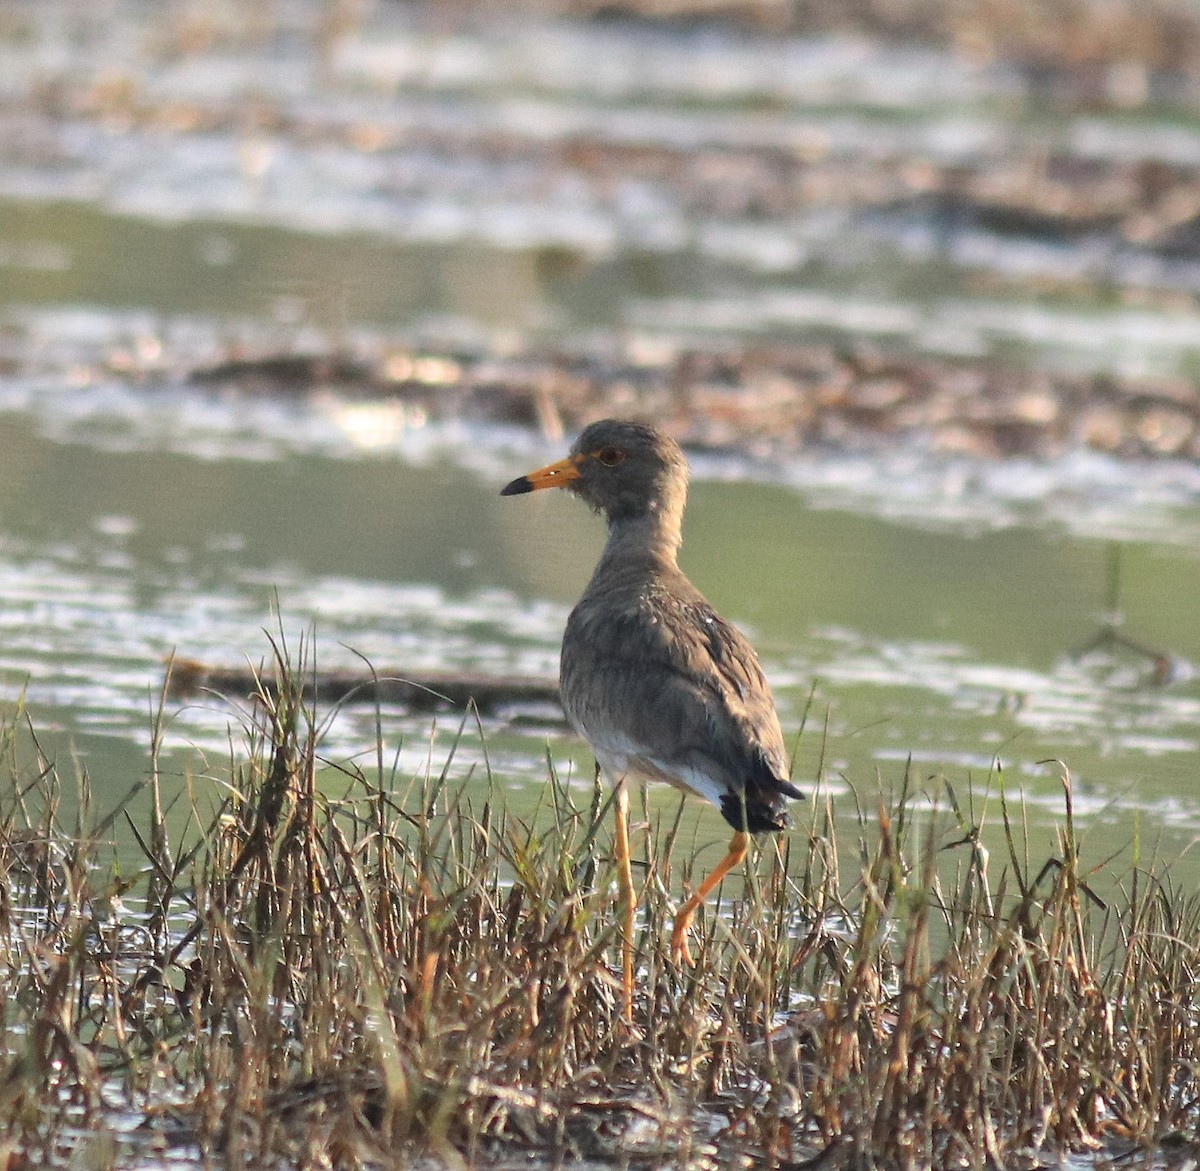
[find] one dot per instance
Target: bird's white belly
(618, 757)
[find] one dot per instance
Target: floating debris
(415, 691)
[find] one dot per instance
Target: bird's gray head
(624, 470)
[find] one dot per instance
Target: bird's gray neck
(653, 536)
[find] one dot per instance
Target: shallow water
(177, 200)
(950, 644)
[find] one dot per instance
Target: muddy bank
(768, 227)
(769, 400)
(1064, 39)
(944, 110)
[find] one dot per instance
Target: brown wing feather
(656, 666)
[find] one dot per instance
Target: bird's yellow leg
(628, 898)
(683, 919)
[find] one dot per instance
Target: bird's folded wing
(665, 674)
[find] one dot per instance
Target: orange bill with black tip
(556, 475)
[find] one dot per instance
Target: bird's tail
(759, 809)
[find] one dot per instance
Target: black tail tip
(751, 816)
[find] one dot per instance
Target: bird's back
(659, 683)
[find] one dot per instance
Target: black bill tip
(520, 485)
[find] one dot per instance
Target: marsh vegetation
(338, 964)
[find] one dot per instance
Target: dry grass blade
(355, 970)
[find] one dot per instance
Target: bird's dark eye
(610, 456)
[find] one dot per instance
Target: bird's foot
(681, 953)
